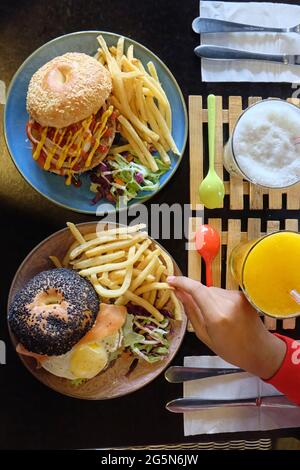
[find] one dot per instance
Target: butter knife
(183, 405)
(225, 53)
(212, 25)
(178, 374)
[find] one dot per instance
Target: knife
(224, 53)
(183, 405)
(212, 25)
(178, 374)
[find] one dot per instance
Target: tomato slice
(28, 130)
(36, 126)
(102, 148)
(42, 159)
(107, 133)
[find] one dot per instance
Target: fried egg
(84, 361)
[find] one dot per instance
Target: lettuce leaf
(130, 337)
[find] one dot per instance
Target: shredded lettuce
(126, 179)
(130, 337)
(114, 355)
(77, 382)
(152, 346)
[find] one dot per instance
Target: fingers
(185, 283)
(195, 316)
(198, 291)
(191, 308)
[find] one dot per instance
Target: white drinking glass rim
(261, 312)
(232, 149)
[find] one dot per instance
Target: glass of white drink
(264, 147)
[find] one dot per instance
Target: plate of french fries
(126, 267)
(151, 121)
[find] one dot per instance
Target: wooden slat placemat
(235, 187)
(238, 191)
(259, 444)
(196, 149)
(229, 239)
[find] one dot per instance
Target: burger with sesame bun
(71, 124)
(57, 319)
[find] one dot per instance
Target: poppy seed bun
(67, 89)
(54, 310)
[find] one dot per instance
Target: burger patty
(53, 311)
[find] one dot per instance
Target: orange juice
(267, 270)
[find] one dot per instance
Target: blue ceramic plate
(15, 117)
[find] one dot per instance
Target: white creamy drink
(265, 145)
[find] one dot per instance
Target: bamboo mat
(231, 237)
(235, 188)
(240, 193)
(259, 444)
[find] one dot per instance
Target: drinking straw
(296, 296)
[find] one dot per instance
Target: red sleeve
(287, 378)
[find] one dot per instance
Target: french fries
(56, 261)
(106, 236)
(124, 265)
(144, 111)
(97, 260)
(113, 293)
(75, 232)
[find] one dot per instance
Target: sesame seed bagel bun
(54, 310)
(67, 89)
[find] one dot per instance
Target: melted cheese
(69, 178)
(86, 124)
(99, 134)
(40, 144)
(52, 152)
(82, 138)
(66, 148)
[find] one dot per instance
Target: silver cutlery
(183, 405)
(224, 53)
(211, 25)
(178, 374)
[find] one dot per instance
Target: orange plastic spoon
(207, 244)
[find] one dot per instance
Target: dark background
(32, 416)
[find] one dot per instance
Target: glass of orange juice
(268, 271)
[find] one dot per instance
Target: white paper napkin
(257, 13)
(234, 386)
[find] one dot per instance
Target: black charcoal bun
(54, 310)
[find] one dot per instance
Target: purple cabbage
(139, 178)
(104, 166)
(166, 313)
(137, 310)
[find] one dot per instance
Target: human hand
(226, 322)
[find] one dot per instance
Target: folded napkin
(224, 419)
(261, 14)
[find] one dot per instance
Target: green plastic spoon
(211, 190)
